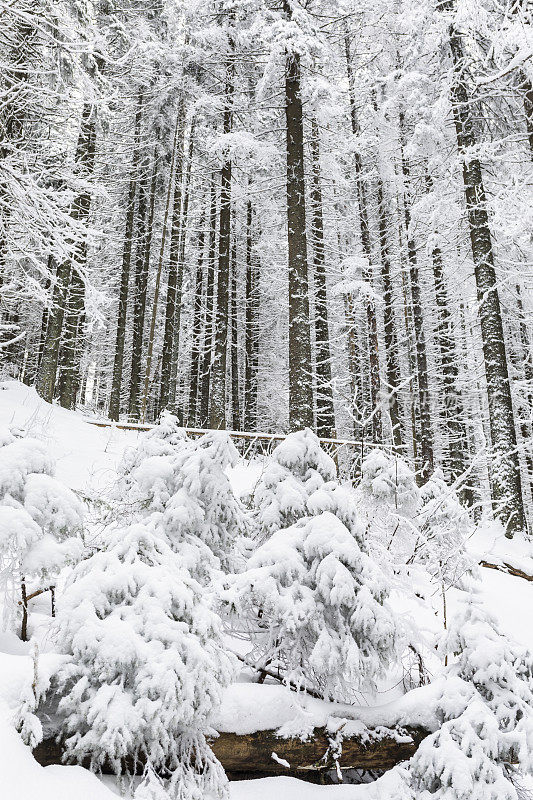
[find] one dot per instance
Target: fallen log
(507, 569)
(381, 750)
(260, 753)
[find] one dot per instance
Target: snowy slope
(87, 458)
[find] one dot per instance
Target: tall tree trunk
(301, 412)
(217, 410)
(362, 200)
(208, 327)
(85, 153)
(15, 77)
(251, 347)
(145, 217)
(425, 449)
(524, 365)
(234, 342)
(325, 412)
(454, 413)
(174, 254)
(70, 352)
(196, 330)
(527, 89)
(116, 383)
(174, 359)
(151, 335)
(506, 481)
(391, 341)
(410, 345)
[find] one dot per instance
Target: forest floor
(86, 460)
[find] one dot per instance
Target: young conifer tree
(486, 715)
(186, 481)
(312, 599)
(297, 468)
(40, 520)
(146, 666)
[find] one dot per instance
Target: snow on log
(243, 755)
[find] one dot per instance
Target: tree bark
(196, 331)
(217, 410)
(70, 352)
(174, 257)
(208, 326)
(455, 431)
(325, 412)
(116, 382)
(15, 77)
(85, 153)
(506, 481)
(234, 342)
(24, 603)
(155, 302)
(174, 358)
(301, 406)
(391, 341)
(425, 431)
(249, 754)
(372, 326)
(251, 329)
(145, 218)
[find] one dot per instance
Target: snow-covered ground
(86, 458)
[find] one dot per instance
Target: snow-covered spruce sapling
(388, 501)
(186, 482)
(132, 496)
(146, 664)
(39, 522)
(203, 505)
(444, 527)
(315, 607)
(297, 467)
(486, 715)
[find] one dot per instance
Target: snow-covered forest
(266, 399)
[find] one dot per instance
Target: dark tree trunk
(325, 413)
(196, 331)
(425, 445)
(24, 603)
(32, 367)
(301, 409)
(235, 383)
(455, 432)
(174, 359)
(251, 330)
(175, 237)
(145, 224)
(208, 326)
(410, 346)
(173, 176)
(80, 209)
(391, 341)
(527, 89)
(16, 74)
(506, 481)
(524, 368)
(72, 341)
(116, 383)
(217, 410)
(362, 200)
